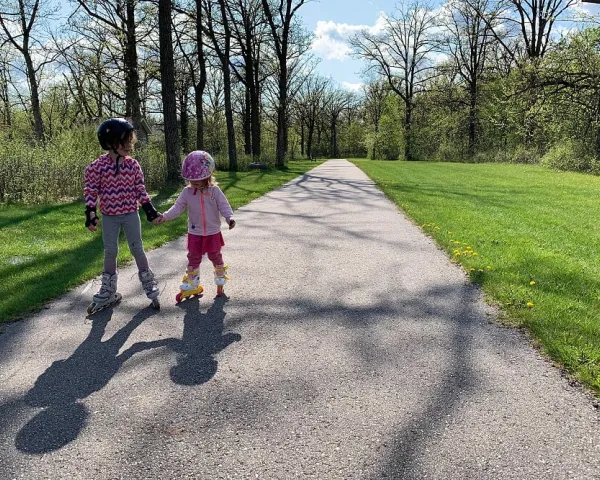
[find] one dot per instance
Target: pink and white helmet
(198, 165)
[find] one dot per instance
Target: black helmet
(111, 131)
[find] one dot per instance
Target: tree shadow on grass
(31, 212)
(61, 273)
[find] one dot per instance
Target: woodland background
(468, 81)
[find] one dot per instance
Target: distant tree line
(474, 80)
(484, 80)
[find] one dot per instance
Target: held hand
(93, 226)
(231, 223)
(159, 219)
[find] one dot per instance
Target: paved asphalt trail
(349, 348)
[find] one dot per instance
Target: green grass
(528, 235)
(46, 250)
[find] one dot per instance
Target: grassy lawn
(46, 250)
(529, 236)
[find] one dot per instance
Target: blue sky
(333, 21)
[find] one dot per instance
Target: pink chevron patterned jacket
(119, 192)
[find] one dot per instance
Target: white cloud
(583, 8)
(353, 87)
(331, 38)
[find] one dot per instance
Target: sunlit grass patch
(529, 236)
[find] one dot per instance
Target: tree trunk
(302, 138)
(201, 85)
(472, 119)
(255, 112)
(167, 77)
(247, 123)
(231, 147)
(407, 132)
(199, 93)
(223, 54)
(281, 148)
(184, 120)
(309, 143)
(335, 152)
(132, 77)
(35, 99)
(6, 107)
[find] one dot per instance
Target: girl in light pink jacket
(206, 204)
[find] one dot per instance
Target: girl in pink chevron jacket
(205, 204)
(114, 183)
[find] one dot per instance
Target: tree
(5, 100)
(375, 93)
(249, 30)
(310, 103)
(280, 22)
(530, 23)
(530, 20)
(20, 22)
(338, 100)
(388, 141)
(221, 40)
(401, 55)
(120, 18)
(571, 82)
(167, 78)
(467, 40)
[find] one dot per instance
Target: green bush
(526, 155)
(492, 156)
(569, 156)
(35, 173)
(449, 152)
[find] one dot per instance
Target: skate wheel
(156, 304)
(91, 308)
(219, 291)
(178, 297)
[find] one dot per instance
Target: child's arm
(143, 197)
(91, 191)
(177, 209)
(224, 207)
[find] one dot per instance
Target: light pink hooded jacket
(205, 208)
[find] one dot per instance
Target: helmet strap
(119, 156)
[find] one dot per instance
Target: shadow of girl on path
(202, 338)
(60, 389)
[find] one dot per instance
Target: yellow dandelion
(532, 282)
(475, 254)
(530, 304)
(489, 267)
(449, 233)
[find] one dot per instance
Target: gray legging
(111, 228)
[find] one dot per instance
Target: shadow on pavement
(456, 383)
(202, 339)
(60, 388)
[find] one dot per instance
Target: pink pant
(198, 246)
